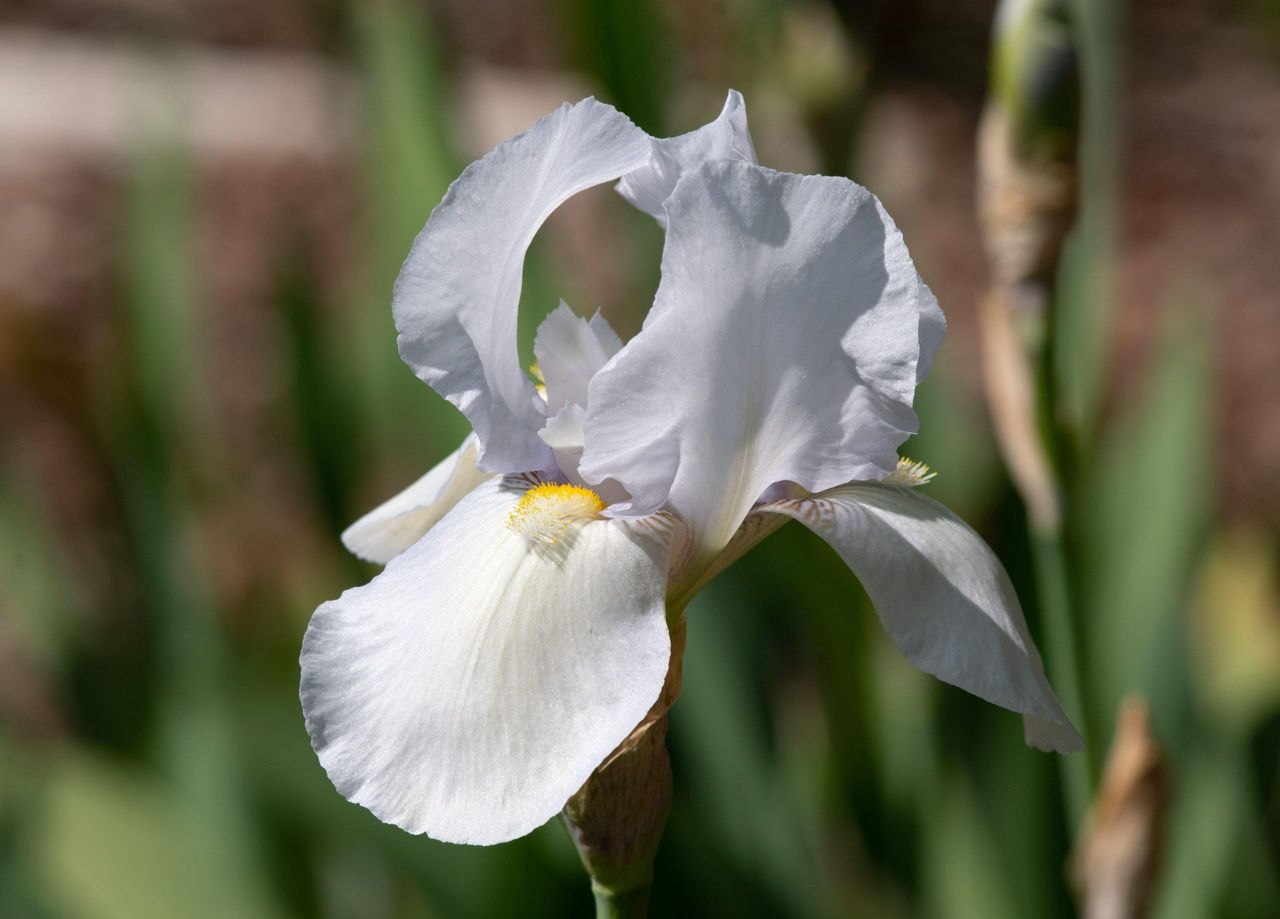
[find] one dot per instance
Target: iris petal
(472, 687)
(399, 522)
(458, 293)
(943, 597)
(726, 138)
(570, 350)
(788, 333)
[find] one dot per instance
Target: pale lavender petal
(784, 345)
(726, 138)
(942, 595)
(570, 350)
(457, 295)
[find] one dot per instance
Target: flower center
(547, 510)
(909, 474)
(535, 371)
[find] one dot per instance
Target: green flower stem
(616, 821)
(632, 903)
(1055, 584)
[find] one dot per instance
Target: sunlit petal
(457, 295)
(784, 344)
(943, 597)
(473, 686)
(395, 525)
(726, 138)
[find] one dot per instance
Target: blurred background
(203, 205)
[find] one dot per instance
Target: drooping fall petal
(399, 522)
(942, 595)
(472, 687)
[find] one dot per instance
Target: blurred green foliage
(817, 774)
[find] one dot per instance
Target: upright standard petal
(473, 686)
(726, 138)
(942, 595)
(457, 295)
(570, 350)
(784, 344)
(398, 523)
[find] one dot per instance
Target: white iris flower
(520, 630)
